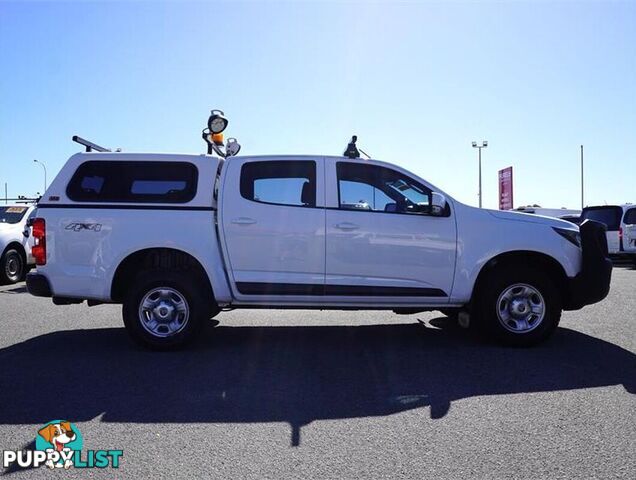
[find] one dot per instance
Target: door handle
(243, 221)
(347, 226)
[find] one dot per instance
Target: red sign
(505, 189)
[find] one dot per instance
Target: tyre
(12, 267)
(164, 310)
(518, 306)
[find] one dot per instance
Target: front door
(382, 242)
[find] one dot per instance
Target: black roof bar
(21, 199)
(90, 146)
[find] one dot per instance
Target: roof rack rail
(21, 199)
(90, 146)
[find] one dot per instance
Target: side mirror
(438, 204)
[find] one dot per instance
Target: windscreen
(630, 217)
(12, 214)
(610, 216)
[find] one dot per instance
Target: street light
(44, 167)
(582, 187)
(484, 144)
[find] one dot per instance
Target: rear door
(273, 219)
(610, 215)
(629, 230)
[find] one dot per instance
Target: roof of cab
(149, 156)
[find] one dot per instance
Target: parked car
(548, 212)
(177, 238)
(620, 221)
(16, 258)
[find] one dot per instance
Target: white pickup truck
(178, 238)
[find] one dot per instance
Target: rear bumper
(38, 285)
(592, 284)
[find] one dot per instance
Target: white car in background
(621, 227)
(16, 257)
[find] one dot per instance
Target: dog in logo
(58, 435)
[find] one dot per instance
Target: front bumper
(592, 284)
(38, 285)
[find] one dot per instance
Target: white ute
(15, 251)
(177, 238)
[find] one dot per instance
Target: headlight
(572, 236)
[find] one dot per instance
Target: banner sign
(505, 189)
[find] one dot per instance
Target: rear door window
(139, 182)
(610, 216)
(290, 183)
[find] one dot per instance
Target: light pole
(44, 167)
(484, 144)
(582, 188)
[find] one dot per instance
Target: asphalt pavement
(342, 395)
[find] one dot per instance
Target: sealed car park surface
(297, 394)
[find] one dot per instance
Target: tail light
(39, 241)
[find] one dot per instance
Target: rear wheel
(518, 306)
(12, 267)
(164, 309)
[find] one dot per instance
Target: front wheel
(12, 267)
(164, 310)
(518, 306)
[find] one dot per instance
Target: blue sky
(417, 82)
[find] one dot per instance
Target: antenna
(352, 151)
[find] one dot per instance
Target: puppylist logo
(58, 444)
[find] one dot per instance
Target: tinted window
(12, 214)
(372, 188)
(630, 216)
(157, 187)
(281, 183)
(92, 184)
(610, 216)
(146, 182)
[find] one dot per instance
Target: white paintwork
(13, 233)
(548, 212)
(254, 242)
